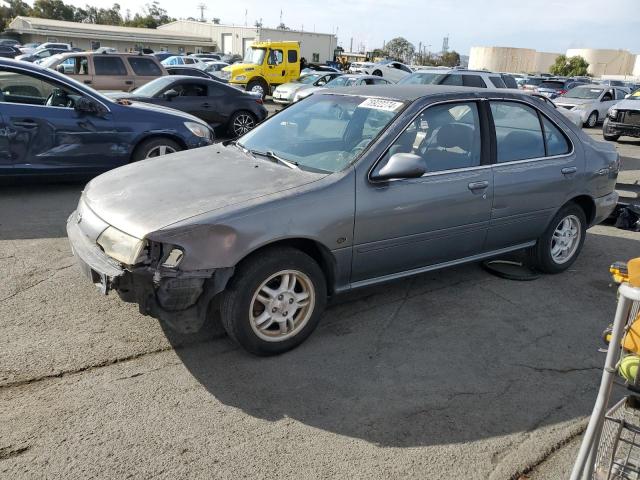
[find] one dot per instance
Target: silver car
(284, 94)
(346, 80)
(591, 102)
(349, 188)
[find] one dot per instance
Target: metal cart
(610, 449)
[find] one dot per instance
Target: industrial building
(602, 63)
(182, 36)
(315, 47)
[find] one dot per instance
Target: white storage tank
(502, 59)
(605, 62)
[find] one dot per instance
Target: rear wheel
(377, 73)
(561, 243)
(241, 122)
(274, 301)
(592, 121)
(155, 147)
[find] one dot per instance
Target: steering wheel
(58, 93)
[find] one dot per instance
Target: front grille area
(629, 117)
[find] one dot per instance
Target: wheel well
(587, 205)
(259, 80)
(175, 138)
(315, 250)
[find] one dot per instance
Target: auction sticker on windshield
(381, 104)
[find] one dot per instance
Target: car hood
(146, 196)
(139, 103)
(574, 101)
(628, 105)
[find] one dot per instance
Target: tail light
(562, 91)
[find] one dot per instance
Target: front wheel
(274, 301)
(258, 86)
(592, 120)
(560, 244)
(377, 73)
(155, 147)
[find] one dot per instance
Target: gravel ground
(452, 374)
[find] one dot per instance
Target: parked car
(623, 119)
(9, 41)
(454, 77)
(591, 101)
(231, 58)
(8, 51)
(389, 69)
(531, 83)
(214, 102)
(360, 67)
(56, 126)
(312, 68)
(331, 203)
(106, 71)
(346, 80)
(181, 60)
(284, 93)
(192, 72)
(39, 55)
(163, 55)
(207, 56)
(56, 45)
(29, 47)
(612, 83)
(106, 50)
(215, 68)
(573, 117)
(554, 88)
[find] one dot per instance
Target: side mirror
(86, 105)
(401, 165)
(60, 68)
(170, 94)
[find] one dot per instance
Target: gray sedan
(350, 188)
(591, 102)
(284, 93)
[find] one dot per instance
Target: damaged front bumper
(180, 299)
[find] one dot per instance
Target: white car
(389, 69)
(347, 80)
(361, 67)
(591, 102)
(183, 60)
(214, 67)
(573, 117)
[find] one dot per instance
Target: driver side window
(275, 57)
(447, 137)
(30, 90)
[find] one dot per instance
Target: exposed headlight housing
(198, 129)
(174, 258)
(121, 246)
(613, 113)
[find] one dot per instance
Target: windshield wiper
(270, 154)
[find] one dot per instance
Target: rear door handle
(129, 82)
(473, 186)
(569, 170)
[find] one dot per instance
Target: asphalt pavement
(451, 374)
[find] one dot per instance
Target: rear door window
(108, 65)
(518, 131)
(145, 67)
(292, 56)
(497, 82)
(452, 80)
(556, 142)
(473, 81)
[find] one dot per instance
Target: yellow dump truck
(267, 65)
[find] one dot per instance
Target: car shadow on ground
(32, 209)
(446, 357)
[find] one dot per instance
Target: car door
(276, 69)
(443, 216)
(535, 172)
(144, 68)
(45, 134)
(110, 73)
(77, 67)
(192, 98)
(607, 100)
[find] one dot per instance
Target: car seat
(451, 148)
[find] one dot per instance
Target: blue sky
(545, 25)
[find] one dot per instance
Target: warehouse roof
(44, 26)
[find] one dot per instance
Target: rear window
(145, 67)
(497, 82)
(473, 81)
(292, 56)
(109, 65)
(509, 81)
(551, 85)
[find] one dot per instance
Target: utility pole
(202, 7)
(351, 45)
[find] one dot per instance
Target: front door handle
(569, 170)
(129, 82)
(473, 186)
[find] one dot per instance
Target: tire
(544, 255)
(155, 147)
(241, 122)
(258, 86)
(592, 120)
(377, 73)
(611, 138)
(256, 325)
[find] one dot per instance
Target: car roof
(410, 93)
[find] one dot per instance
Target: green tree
(569, 67)
(54, 9)
(450, 59)
(400, 49)
(9, 9)
(152, 16)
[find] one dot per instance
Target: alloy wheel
(243, 123)
(565, 239)
(159, 151)
(282, 305)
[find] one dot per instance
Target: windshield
(342, 82)
(255, 56)
(51, 60)
(423, 78)
(153, 87)
(583, 92)
(325, 133)
(308, 79)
